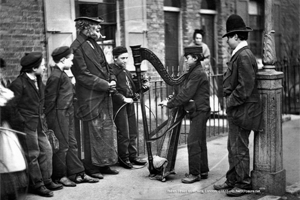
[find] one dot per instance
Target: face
(121, 60)
(40, 70)
(68, 61)
(94, 31)
(190, 60)
(232, 41)
(198, 39)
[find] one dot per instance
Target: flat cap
(119, 50)
(31, 60)
(96, 20)
(192, 50)
(60, 53)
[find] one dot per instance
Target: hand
(128, 100)
(163, 103)
(112, 84)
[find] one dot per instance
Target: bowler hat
(31, 60)
(60, 53)
(97, 20)
(234, 24)
(192, 50)
(119, 50)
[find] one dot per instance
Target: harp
(169, 140)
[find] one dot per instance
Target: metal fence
(290, 85)
(216, 125)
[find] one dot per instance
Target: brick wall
(21, 30)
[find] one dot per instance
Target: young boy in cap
(125, 118)
(59, 111)
(243, 106)
(194, 97)
(27, 116)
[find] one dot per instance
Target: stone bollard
(268, 172)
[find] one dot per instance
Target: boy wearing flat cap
(27, 116)
(94, 84)
(59, 111)
(242, 106)
(194, 97)
(125, 115)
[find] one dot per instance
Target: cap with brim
(60, 53)
(235, 24)
(192, 50)
(96, 20)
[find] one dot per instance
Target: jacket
(240, 89)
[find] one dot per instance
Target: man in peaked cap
(94, 84)
(59, 111)
(27, 116)
(242, 106)
(194, 97)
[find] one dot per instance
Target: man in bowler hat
(94, 84)
(27, 116)
(242, 106)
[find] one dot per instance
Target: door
(171, 41)
(60, 25)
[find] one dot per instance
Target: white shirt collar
(32, 77)
(239, 46)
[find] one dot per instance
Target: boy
(27, 116)
(242, 106)
(59, 111)
(125, 118)
(195, 92)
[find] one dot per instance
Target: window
(172, 3)
(256, 22)
(105, 9)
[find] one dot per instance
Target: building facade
(163, 26)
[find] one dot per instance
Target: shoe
(84, 178)
(204, 175)
(42, 191)
(54, 186)
(67, 182)
(138, 161)
(108, 170)
(87, 179)
(125, 163)
(223, 186)
(97, 175)
(190, 178)
(236, 192)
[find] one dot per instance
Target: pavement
(135, 184)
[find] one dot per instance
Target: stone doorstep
(286, 118)
(293, 189)
(270, 197)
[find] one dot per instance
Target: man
(27, 116)
(243, 106)
(59, 111)
(194, 96)
(125, 117)
(94, 84)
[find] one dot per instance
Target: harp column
(268, 173)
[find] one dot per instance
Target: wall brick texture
(21, 30)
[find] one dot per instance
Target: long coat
(240, 90)
(92, 74)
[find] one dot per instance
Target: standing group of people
(106, 92)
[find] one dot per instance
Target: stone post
(268, 173)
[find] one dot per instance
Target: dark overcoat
(92, 75)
